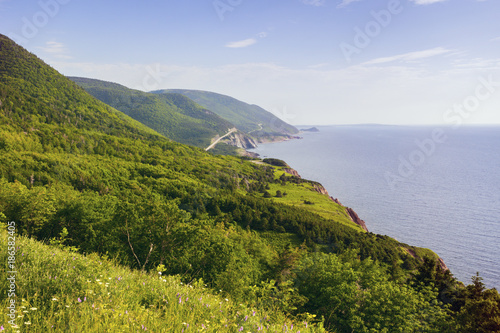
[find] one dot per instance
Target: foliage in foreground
(60, 291)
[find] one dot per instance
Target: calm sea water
(431, 187)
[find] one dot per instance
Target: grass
(61, 291)
(298, 194)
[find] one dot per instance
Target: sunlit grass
(297, 194)
(60, 291)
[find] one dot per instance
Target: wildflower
(253, 314)
(85, 298)
(2, 328)
(227, 300)
(241, 329)
(246, 318)
(54, 299)
(27, 323)
(79, 300)
(33, 309)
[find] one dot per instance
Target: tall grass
(61, 291)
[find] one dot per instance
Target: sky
(314, 62)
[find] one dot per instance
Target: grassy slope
(60, 291)
(245, 116)
(298, 194)
(173, 115)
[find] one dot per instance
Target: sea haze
(426, 186)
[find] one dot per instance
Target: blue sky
(308, 61)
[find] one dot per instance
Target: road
(232, 130)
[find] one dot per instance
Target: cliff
(240, 140)
(355, 218)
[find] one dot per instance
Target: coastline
(321, 189)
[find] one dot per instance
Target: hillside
(79, 174)
(94, 294)
(251, 119)
(173, 115)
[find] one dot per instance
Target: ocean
(433, 187)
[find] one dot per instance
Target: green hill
(173, 115)
(251, 119)
(80, 175)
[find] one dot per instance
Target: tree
(481, 310)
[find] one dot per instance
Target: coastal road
(232, 130)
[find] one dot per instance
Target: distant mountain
(251, 119)
(173, 115)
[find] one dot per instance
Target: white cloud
(56, 49)
(242, 43)
(316, 3)
(345, 3)
(495, 39)
(426, 2)
(318, 66)
(408, 57)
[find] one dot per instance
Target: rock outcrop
(320, 189)
(240, 140)
(291, 171)
(355, 218)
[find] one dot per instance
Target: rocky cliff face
(291, 171)
(355, 218)
(241, 140)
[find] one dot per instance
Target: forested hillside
(252, 119)
(173, 115)
(82, 176)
